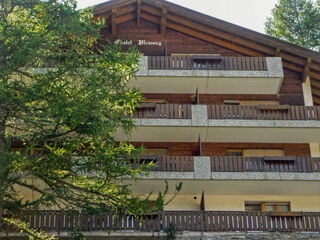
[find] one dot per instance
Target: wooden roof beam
(306, 70)
(268, 50)
(316, 100)
(277, 52)
(315, 83)
(138, 12)
(114, 13)
(315, 90)
(163, 21)
(203, 36)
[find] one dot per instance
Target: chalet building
(230, 112)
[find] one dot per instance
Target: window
(258, 102)
(231, 102)
(234, 152)
(263, 152)
(268, 206)
(155, 100)
(249, 102)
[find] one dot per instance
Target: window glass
(263, 152)
(253, 207)
(268, 206)
(234, 152)
(155, 100)
(231, 102)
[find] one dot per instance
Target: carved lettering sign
(138, 42)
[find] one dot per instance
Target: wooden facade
(185, 31)
(179, 43)
(171, 36)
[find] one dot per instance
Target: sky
(250, 14)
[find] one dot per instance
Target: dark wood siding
(208, 98)
(172, 42)
(291, 90)
(219, 149)
(175, 42)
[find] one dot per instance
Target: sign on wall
(141, 42)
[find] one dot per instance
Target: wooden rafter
(203, 36)
(209, 30)
(315, 83)
(315, 91)
(163, 21)
(138, 12)
(316, 99)
(306, 70)
(277, 52)
(237, 30)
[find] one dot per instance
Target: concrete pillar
(307, 94)
(315, 149)
(202, 168)
(199, 115)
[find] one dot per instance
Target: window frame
(263, 205)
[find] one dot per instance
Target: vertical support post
(306, 70)
(307, 93)
(163, 21)
(202, 168)
(277, 52)
(114, 12)
(138, 12)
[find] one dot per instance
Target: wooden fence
(169, 163)
(207, 63)
(264, 164)
(57, 221)
(169, 111)
(255, 112)
(174, 164)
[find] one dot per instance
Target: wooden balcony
(237, 164)
(225, 123)
(259, 112)
(166, 111)
(170, 163)
(207, 63)
(264, 112)
(265, 164)
(204, 221)
(209, 74)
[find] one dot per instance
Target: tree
(296, 21)
(63, 97)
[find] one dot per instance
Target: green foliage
(171, 231)
(296, 21)
(24, 228)
(63, 98)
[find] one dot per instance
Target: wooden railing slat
(59, 221)
(188, 63)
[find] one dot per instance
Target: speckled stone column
(202, 168)
(199, 115)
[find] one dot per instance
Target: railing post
(199, 114)
(202, 168)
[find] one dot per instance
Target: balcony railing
(168, 111)
(236, 164)
(170, 163)
(214, 221)
(263, 112)
(264, 164)
(207, 63)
